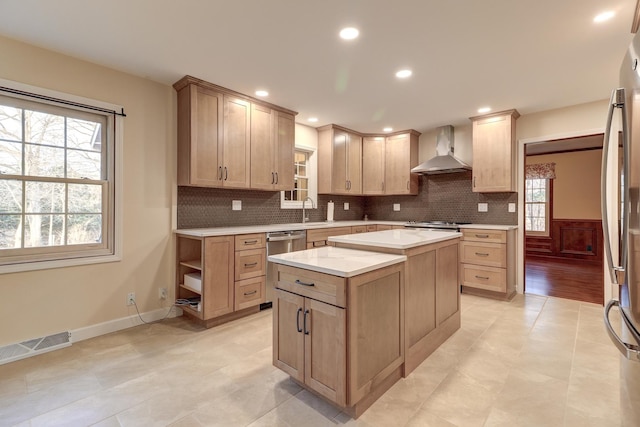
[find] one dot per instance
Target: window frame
(110, 250)
(548, 209)
(312, 176)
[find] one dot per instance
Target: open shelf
(196, 264)
(190, 289)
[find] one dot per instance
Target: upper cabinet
(272, 148)
(494, 152)
(227, 139)
(339, 160)
(366, 164)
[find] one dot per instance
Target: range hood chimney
(444, 161)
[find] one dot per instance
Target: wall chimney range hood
(444, 161)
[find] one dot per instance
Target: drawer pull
(298, 320)
(253, 264)
(482, 277)
(482, 236)
(246, 294)
(251, 242)
(306, 331)
(299, 282)
(318, 243)
(482, 254)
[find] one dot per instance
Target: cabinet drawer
(490, 254)
(487, 236)
(487, 278)
(250, 241)
(250, 263)
(359, 229)
(249, 292)
(319, 286)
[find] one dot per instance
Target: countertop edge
(248, 229)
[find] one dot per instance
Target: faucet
(304, 216)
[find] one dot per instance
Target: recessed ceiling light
(403, 74)
(262, 93)
(484, 110)
(312, 119)
(387, 129)
(604, 16)
(349, 33)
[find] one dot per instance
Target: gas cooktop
(436, 225)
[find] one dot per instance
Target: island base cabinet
(309, 344)
(350, 355)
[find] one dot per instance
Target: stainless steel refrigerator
(622, 249)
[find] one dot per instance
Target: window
(305, 181)
(57, 185)
(537, 196)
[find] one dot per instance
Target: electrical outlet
(346, 206)
(236, 205)
(162, 293)
(483, 207)
(396, 207)
(131, 298)
(512, 207)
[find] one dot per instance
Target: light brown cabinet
(231, 272)
(385, 162)
(340, 160)
(341, 351)
(494, 152)
(272, 148)
(219, 131)
(318, 237)
(488, 262)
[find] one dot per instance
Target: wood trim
(567, 235)
(512, 112)
(636, 19)
(368, 135)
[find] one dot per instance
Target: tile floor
(535, 361)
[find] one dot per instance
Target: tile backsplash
(446, 197)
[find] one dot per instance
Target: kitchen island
(338, 323)
(432, 286)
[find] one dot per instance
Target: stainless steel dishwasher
(280, 242)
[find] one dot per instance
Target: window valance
(541, 171)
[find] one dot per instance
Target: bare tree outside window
(53, 182)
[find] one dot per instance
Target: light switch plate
(346, 206)
(512, 207)
(236, 205)
(483, 207)
(396, 207)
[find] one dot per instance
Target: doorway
(563, 244)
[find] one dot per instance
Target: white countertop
(246, 229)
(337, 261)
(396, 239)
(490, 226)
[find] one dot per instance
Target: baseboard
(115, 325)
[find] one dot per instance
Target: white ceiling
(530, 55)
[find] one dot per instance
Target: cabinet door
(263, 175)
(218, 276)
(284, 148)
(373, 152)
(493, 154)
(288, 337)
(339, 162)
(354, 164)
(200, 123)
(236, 153)
(325, 350)
(447, 283)
(398, 164)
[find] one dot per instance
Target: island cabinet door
(375, 329)
(325, 350)
(288, 333)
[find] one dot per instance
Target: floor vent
(13, 352)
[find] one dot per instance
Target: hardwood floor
(564, 279)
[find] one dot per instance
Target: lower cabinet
(487, 260)
(344, 352)
(222, 275)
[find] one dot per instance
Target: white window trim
(547, 225)
(118, 189)
(313, 181)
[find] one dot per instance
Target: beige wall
(576, 189)
(34, 304)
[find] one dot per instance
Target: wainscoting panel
(579, 239)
